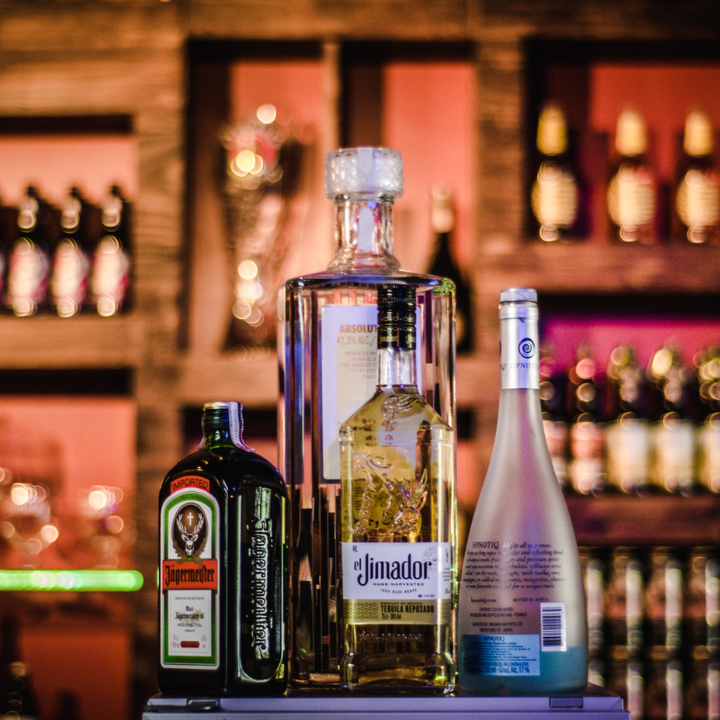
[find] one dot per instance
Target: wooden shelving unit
(108, 60)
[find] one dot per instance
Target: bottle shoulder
(227, 469)
(368, 278)
(397, 404)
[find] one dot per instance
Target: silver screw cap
(363, 170)
(518, 295)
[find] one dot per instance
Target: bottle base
(397, 674)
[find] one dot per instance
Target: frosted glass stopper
(363, 170)
(518, 295)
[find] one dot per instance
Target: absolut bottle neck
(396, 336)
(364, 232)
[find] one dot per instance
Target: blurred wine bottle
(628, 433)
(673, 431)
(110, 279)
(444, 264)
(18, 697)
(31, 256)
(72, 257)
(585, 396)
(708, 374)
(697, 198)
(555, 191)
(632, 190)
(553, 382)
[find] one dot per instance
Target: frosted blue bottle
(522, 622)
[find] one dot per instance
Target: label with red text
(190, 576)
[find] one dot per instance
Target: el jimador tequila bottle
(398, 509)
(522, 622)
(328, 365)
(223, 592)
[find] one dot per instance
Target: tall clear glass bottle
(328, 365)
(223, 593)
(397, 523)
(522, 621)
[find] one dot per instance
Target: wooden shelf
(603, 268)
(80, 342)
(653, 520)
(251, 381)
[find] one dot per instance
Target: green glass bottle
(223, 587)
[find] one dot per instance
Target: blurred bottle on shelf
(72, 256)
(701, 600)
(674, 430)
(31, 256)
(697, 195)
(18, 696)
(555, 193)
(593, 566)
(7, 223)
(663, 599)
(628, 434)
(702, 685)
(624, 677)
(110, 279)
(552, 403)
(585, 398)
(444, 264)
(624, 600)
(663, 686)
(632, 190)
(708, 437)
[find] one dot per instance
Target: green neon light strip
(71, 580)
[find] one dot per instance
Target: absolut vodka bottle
(398, 517)
(522, 620)
(328, 364)
(223, 567)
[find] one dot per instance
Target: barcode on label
(552, 627)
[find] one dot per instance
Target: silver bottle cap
(518, 295)
(363, 170)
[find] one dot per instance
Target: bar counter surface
(594, 703)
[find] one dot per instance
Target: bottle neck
(519, 347)
(222, 425)
(396, 368)
(364, 233)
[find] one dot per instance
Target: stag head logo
(189, 531)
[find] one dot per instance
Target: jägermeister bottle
(223, 570)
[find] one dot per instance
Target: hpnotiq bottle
(522, 622)
(223, 567)
(398, 510)
(328, 365)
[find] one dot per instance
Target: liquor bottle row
(654, 628)
(65, 260)
(366, 533)
(634, 194)
(630, 429)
